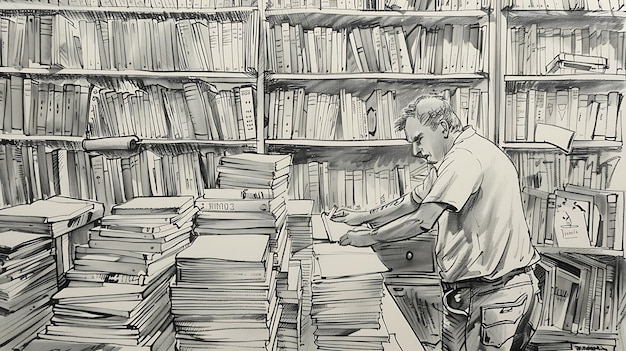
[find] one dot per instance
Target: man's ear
(445, 126)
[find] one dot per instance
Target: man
(484, 251)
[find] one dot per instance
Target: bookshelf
(533, 92)
(356, 163)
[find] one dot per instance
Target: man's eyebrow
(417, 137)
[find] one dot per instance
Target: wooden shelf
(235, 77)
(337, 143)
(576, 145)
(376, 13)
(230, 143)
(554, 335)
(583, 250)
(376, 76)
(550, 14)
(597, 77)
(42, 138)
(29, 6)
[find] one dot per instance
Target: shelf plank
(547, 14)
(337, 143)
(28, 6)
(41, 138)
(232, 143)
(597, 77)
(583, 250)
(375, 76)
(576, 145)
(221, 76)
(374, 13)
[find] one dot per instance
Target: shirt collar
(467, 132)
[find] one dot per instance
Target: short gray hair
(436, 110)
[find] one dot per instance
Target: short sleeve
(458, 177)
(420, 191)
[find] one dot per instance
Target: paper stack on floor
(347, 298)
(225, 296)
(119, 290)
(27, 282)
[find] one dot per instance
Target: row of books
(156, 4)
(554, 170)
(577, 290)
(295, 114)
(193, 111)
(534, 50)
(33, 107)
(381, 5)
(591, 5)
(29, 173)
(589, 116)
(421, 50)
(358, 189)
(42, 172)
(575, 217)
(148, 174)
(148, 44)
(293, 49)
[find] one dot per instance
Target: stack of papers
(299, 223)
(289, 329)
(347, 298)
(225, 295)
(139, 240)
(117, 314)
(27, 282)
(118, 291)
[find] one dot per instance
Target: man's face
(426, 143)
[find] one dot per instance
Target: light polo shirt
(484, 232)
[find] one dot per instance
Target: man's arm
(405, 227)
(412, 224)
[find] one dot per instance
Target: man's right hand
(349, 216)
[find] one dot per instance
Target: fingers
(339, 214)
(345, 240)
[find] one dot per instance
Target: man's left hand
(359, 237)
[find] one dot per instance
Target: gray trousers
(490, 316)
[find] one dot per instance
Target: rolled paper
(109, 144)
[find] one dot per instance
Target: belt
(481, 281)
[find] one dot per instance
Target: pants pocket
(499, 321)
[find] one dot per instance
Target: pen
(332, 211)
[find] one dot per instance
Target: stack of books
(347, 298)
(27, 282)
(35, 253)
(136, 243)
(290, 294)
(299, 223)
(119, 288)
(119, 314)
(225, 294)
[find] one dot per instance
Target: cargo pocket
(499, 321)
